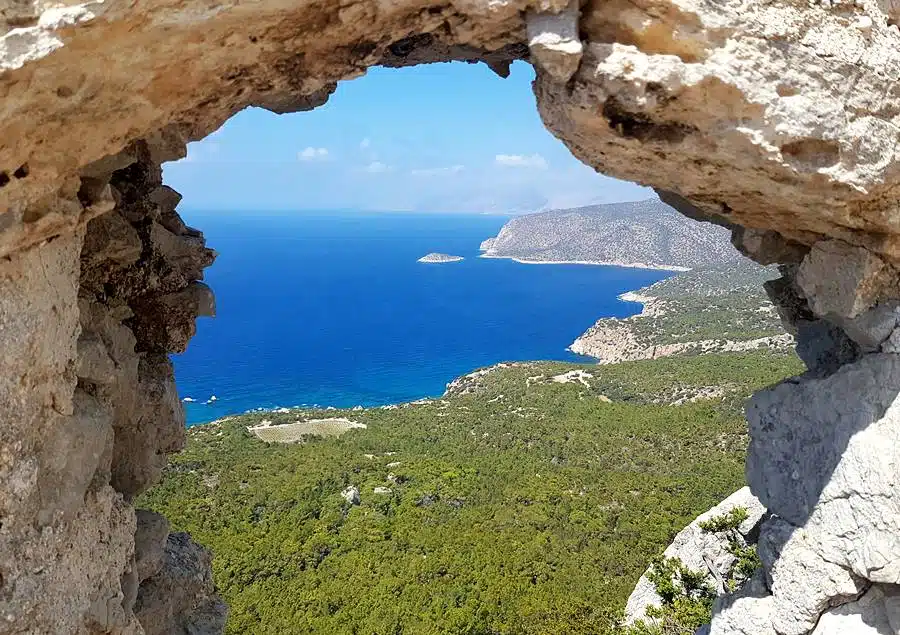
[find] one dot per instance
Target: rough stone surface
(554, 42)
(746, 612)
(870, 329)
(877, 612)
(700, 550)
(823, 346)
(823, 457)
(803, 583)
(843, 281)
(766, 246)
(149, 543)
(180, 599)
(56, 506)
(89, 411)
(817, 433)
(351, 495)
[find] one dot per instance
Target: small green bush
(729, 521)
(687, 600)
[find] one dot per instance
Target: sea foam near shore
(629, 265)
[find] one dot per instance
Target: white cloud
(521, 161)
(313, 154)
(452, 169)
(365, 143)
(377, 167)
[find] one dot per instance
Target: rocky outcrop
(702, 550)
(775, 119)
(435, 257)
(91, 408)
(611, 343)
(875, 613)
(179, 599)
(823, 458)
(720, 309)
(829, 476)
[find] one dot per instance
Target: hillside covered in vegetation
(717, 308)
(644, 233)
(529, 499)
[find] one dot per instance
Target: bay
(333, 308)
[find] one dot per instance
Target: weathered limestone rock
(871, 329)
(111, 242)
(767, 247)
(746, 612)
(156, 429)
(843, 281)
(824, 347)
(180, 599)
(836, 424)
(351, 494)
(700, 550)
(166, 322)
(803, 583)
(877, 612)
(73, 458)
(56, 506)
(554, 42)
(823, 458)
(87, 417)
(149, 543)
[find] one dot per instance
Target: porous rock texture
(703, 551)
(776, 118)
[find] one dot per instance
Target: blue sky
(435, 138)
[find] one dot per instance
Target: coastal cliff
(714, 309)
(647, 234)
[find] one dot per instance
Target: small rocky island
(436, 257)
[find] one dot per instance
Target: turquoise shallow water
(333, 309)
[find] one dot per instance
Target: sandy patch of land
(574, 376)
(296, 431)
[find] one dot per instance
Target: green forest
(528, 499)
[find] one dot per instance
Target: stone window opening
(738, 112)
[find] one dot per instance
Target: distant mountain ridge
(641, 233)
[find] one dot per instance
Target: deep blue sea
(333, 309)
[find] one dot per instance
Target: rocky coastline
(604, 263)
(671, 307)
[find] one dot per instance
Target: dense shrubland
(522, 506)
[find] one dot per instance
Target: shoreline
(637, 298)
(628, 296)
(627, 265)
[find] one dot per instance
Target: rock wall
(778, 119)
(823, 461)
(824, 457)
(91, 411)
